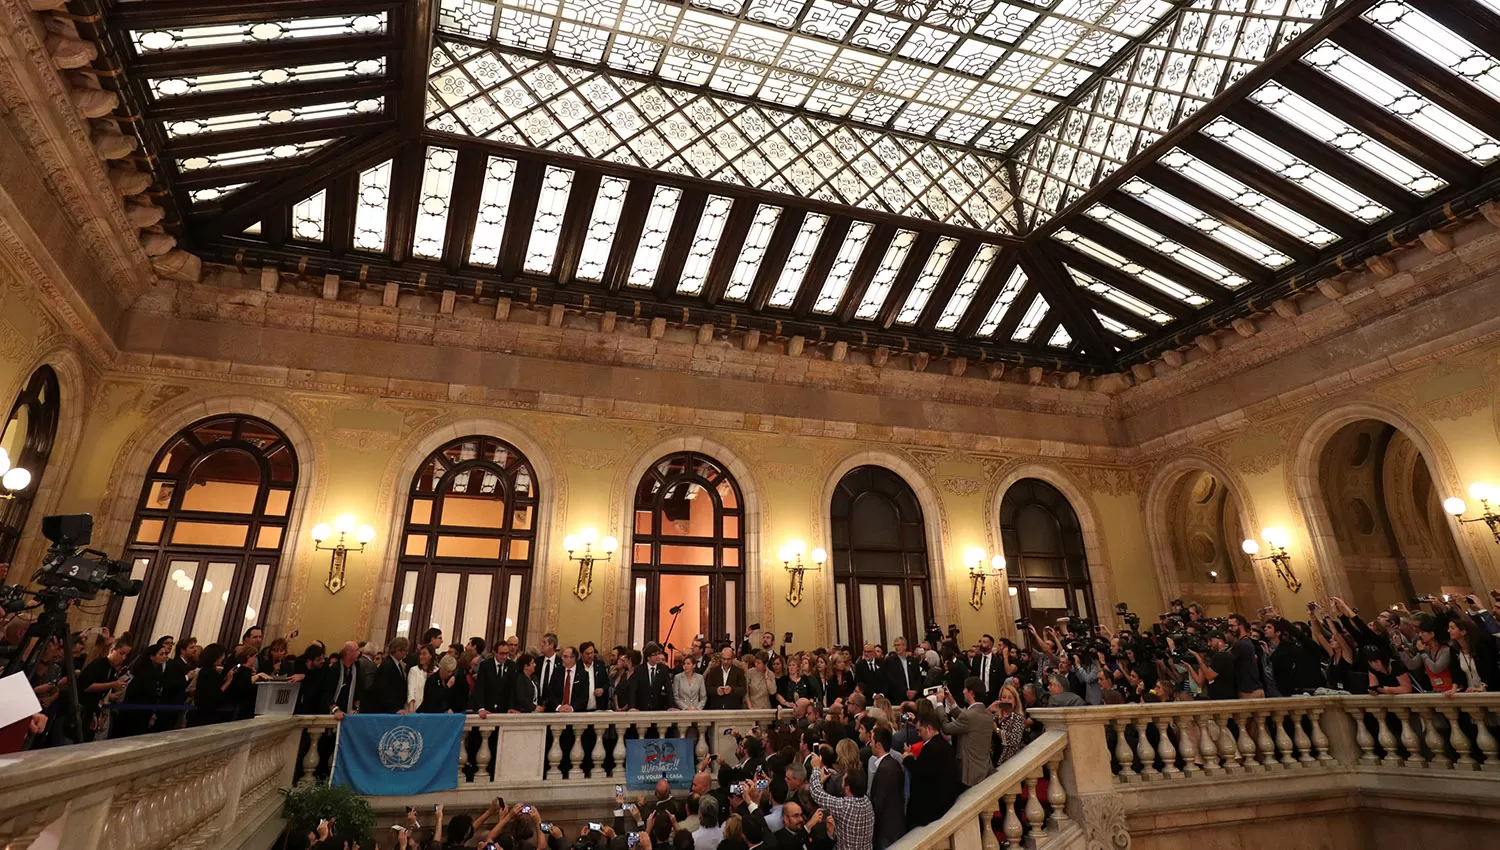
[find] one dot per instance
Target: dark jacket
(1485, 658)
(209, 697)
(336, 677)
(493, 686)
(553, 699)
(627, 692)
(715, 679)
(887, 797)
(896, 686)
(388, 692)
(656, 691)
(870, 681)
(935, 782)
(523, 695)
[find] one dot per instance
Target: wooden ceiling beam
(679, 243)
(339, 209)
(1017, 311)
(731, 245)
(628, 234)
(1273, 186)
(1477, 24)
(948, 283)
(1070, 256)
(416, 30)
(206, 144)
(1227, 212)
(1174, 230)
(777, 252)
(989, 291)
(822, 263)
(463, 209)
(1427, 78)
(1379, 124)
(519, 219)
(576, 219)
(1061, 292)
(906, 280)
(1094, 301)
(865, 270)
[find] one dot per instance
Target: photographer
(1215, 677)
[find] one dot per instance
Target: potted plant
(306, 805)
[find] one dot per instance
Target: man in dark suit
(595, 676)
(656, 680)
(627, 688)
(388, 696)
(725, 683)
(903, 675)
(887, 794)
(934, 776)
(868, 677)
(793, 834)
(989, 667)
(569, 691)
(496, 680)
(348, 687)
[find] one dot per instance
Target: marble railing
(214, 786)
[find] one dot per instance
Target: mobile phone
(500, 803)
(729, 730)
(737, 788)
(632, 839)
(546, 827)
(409, 810)
(762, 784)
(438, 806)
(787, 638)
(525, 810)
(619, 790)
(594, 826)
(755, 627)
(398, 827)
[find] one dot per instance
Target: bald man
(347, 684)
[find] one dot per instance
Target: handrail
(981, 799)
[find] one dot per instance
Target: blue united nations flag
(398, 754)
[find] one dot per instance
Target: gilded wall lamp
(1277, 539)
(980, 573)
(12, 479)
(344, 525)
(1485, 494)
(586, 539)
(791, 559)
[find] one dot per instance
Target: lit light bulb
(974, 557)
(998, 562)
(249, 614)
(799, 547)
(609, 544)
(590, 536)
(571, 544)
(787, 554)
(1250, 547)
(1213, 573)
(820, 556)
(1480, 491)
(1013, 590)
(16, 479)
(344, 524)
(178, 575)
(1455, 506)
(224, 597)
(366, 534)
(1275, 536)
(208, 586)
(320, 532)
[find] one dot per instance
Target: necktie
(984, 671)
(904, 677)
(568, 687)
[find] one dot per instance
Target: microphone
(676, 609)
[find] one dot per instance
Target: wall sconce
(12, 479)
(1485, 494)
(586, 539)
(791, 559)
(980, 573)
(1277, 539)
(344, 525)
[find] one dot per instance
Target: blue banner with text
(650, 760)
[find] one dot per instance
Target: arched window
(688, 550)
(468, 543)
(27, 441)
(879, 558)
(1045, 561)
(208, 530)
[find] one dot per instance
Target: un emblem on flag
(400, 748)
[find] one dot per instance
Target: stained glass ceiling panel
(970, 72)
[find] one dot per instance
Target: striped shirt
(853, 817)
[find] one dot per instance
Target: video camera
(76, 572)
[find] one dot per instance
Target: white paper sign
(17, 699)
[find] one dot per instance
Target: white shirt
(589, 672)
(546, 673)
(416, 686)
(984, 669)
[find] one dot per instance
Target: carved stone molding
(1103, 819)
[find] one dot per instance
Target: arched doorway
(1386, 516)
(1046, 565)
(1201, 522)
(208, 531)
(687, 549)
(880, 568)
(27, 438)
(467, 543)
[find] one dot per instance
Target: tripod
(52, 622)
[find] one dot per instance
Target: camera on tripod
(76, 572)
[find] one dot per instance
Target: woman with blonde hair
(848, 757)
(1010, 718)
(416, 678)
(760, 682)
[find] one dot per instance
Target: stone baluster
(1166, 750)
(1187, 745)
(1263, 742)
(575, 753)
(1459, 740)
(700, 747)
(1486, 741)
(483, 756)
(1012, 823)
(1301, 741)
(1387, 739)
(1246, 742)
(1124, 756)
(1319, 737)
(1055, 793)
(596, 752)
(1364, 739)
(554, 753)
(463, 755)
(617, 749)
(1208, 748)
(310, 758)
(1434, 740)
(1410, 741)
(1144, 751)
(1228, 750)
(1280, 720)
(1035, 814)
(987, 838)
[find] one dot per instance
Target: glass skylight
(705, 243)
(1374, 85)
(603, 223)
(1115, 326)
(1438, 43)
(248, 156)
(546, 228)
(1013, 286)
(752, 253)
(432, 206)
(1200, 220)
(1162, 284)
(257, 77)
(885, 276)
(1343, 137)
(1123, 299)
(1030, 320)
(806, 244)
(1291, 168)
(654, 234)
(1211, 269)
(1060, 338)
(927, 281)
(974, 275)
(1241, 195)
(214, 193)
(372, 207)
(271, 117)
(494, 211)
(214, 35)
(308, 217)
(852, 248)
